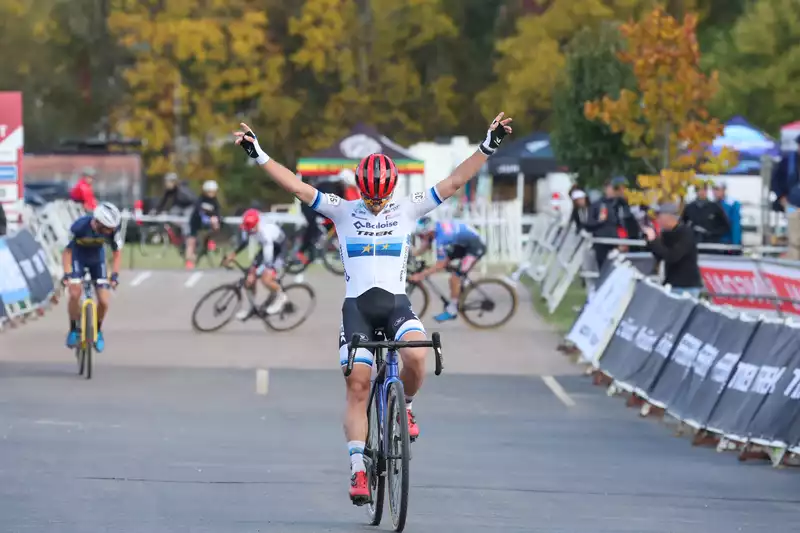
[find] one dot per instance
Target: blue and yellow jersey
(450, 233)
(88, 245)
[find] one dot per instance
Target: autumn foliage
(665, 121)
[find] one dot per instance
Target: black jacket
(3, 221)
(707, 219)
(181, 196)
(678, 249)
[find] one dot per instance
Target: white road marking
(262, 381)
(558, 390)
(193, 279)
(58, 423)
(140, 278)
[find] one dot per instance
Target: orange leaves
(666, 122)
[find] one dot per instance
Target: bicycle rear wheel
(300, 303)
(89, 346)
(331, 257)
(224, 301)
(418, 296)
(477, 299)
(399, 453)
(374, 460)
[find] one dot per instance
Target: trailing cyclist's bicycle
(156, 239)
(387, 452)
(226, 300)
(88, 328)
(478, 298)
(326, 247)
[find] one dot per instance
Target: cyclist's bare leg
(191, 245)
(103, 299)
(268, 279)
(75, 289)
(455, 288)
(413, 371)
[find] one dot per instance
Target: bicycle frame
(388, 373)
(88, 301)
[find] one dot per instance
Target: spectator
(677, 248)
(786, 186)
(603, 222)
(3, 221)
(706, 218)
(82, 192)
(580, 210)
(733, 211)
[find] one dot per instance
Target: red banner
(748, 278)
(11, 148)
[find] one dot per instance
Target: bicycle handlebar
(356, 343)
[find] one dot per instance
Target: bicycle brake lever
(351, 355)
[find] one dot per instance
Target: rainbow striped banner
(312, 166)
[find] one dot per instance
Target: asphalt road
(171, 435)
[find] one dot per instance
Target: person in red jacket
(82, 192)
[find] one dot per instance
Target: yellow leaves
(666, 121)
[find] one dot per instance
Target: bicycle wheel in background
(374, 460)
(89, 346)
(418, 296)
(300, 303)
(487, 296)
(153, 241)
(223, 302)
(399, 453)
(331, 257)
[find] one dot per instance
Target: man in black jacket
(706, 218)
(677, 248)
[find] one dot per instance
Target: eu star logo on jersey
(356, 247)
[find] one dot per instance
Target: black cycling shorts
(467, 253)
(376, 308)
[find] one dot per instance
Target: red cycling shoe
(359, 491)
(413, 428)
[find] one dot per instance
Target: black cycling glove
(493, 138)
(253, 149)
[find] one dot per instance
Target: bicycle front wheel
(300, 303)
(492, 297)
(374, 460)
(399, 454)
(331, 257)
(223, 302)
(89, 346)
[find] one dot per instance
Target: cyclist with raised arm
(86, 251)
(205, 215)
(374, 236)
(268, 259)
(455, 242)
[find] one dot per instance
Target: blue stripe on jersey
(316, 201)
(436, 196)
(361, 247)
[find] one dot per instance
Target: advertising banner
(33, 263)
(11, 149)
(13, 287)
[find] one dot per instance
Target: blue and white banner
(13, 286)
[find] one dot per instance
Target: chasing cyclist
(205, 215)
(268, 259)
(455, 242)
(374, 240)
(86, 251)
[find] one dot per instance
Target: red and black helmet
(250, 219)
(376, 176)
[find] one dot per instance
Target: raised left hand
(498, 129)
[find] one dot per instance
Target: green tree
(374, 61)
(530, 61)
(195, 69)
(759, 64)
(592, 70)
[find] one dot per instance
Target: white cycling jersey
(374, 248)
(268, 233)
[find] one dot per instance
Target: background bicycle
(485, 303)
(225, 301)
(326, 248)
(156, 239)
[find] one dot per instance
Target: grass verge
(565, 314)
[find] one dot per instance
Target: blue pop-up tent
(750, 142)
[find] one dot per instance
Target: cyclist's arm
(116, 252)
(286, 179)
(461, 175)
(162, 204)
(441, 263)
(66, 258)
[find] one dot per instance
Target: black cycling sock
(99, 325)
(73, 325)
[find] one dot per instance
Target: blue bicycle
(387, 451)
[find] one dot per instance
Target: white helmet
(108, 215)
(171, 178)
(210, 186)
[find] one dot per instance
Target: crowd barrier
(556, 254)
(731, 378)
